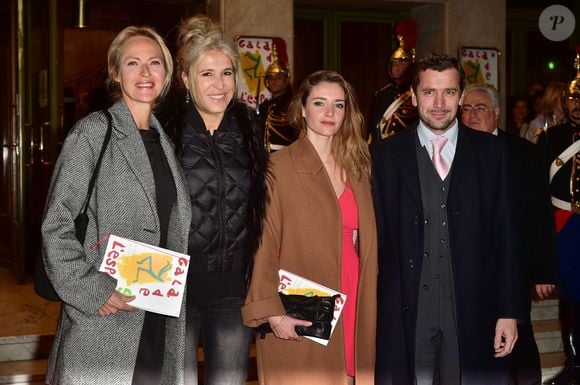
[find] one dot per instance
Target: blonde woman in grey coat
(139, 194)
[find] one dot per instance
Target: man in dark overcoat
(449, 290)
(481, 111)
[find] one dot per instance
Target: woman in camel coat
(304, 235)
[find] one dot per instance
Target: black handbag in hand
(318, 310)
(42, 285)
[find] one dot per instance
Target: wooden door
(11, 218)
(24, 131)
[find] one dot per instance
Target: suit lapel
(406, 161)
(304, 157)
(463, 161)
(133, 150)
(319, 193)
(310, 169)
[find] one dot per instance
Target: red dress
(349, 273)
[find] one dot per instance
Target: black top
(152, 343)
(165, 193)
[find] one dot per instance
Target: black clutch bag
(318, 310)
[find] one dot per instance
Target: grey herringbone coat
(89, 348)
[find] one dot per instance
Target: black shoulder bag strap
(42, 285)
(82, 219)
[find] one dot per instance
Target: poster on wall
(481, 65)
(255, 57)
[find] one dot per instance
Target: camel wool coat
(303, 234)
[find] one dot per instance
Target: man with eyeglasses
(481, 111)
(561, 143)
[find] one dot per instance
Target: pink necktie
(440, 164)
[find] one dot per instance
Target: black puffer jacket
(225, 174)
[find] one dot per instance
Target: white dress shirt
(448, 151)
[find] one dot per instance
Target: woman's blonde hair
(116, 50)
(349, 148)
(197, 36)
(552, 97)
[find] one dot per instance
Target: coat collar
(195, 123)
(130, 145)
(406, 160)
(465, 159)
(307, 162)
(304, 156)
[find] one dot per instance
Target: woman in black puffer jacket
(225, 164)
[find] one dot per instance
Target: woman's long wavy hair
(349, 148)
